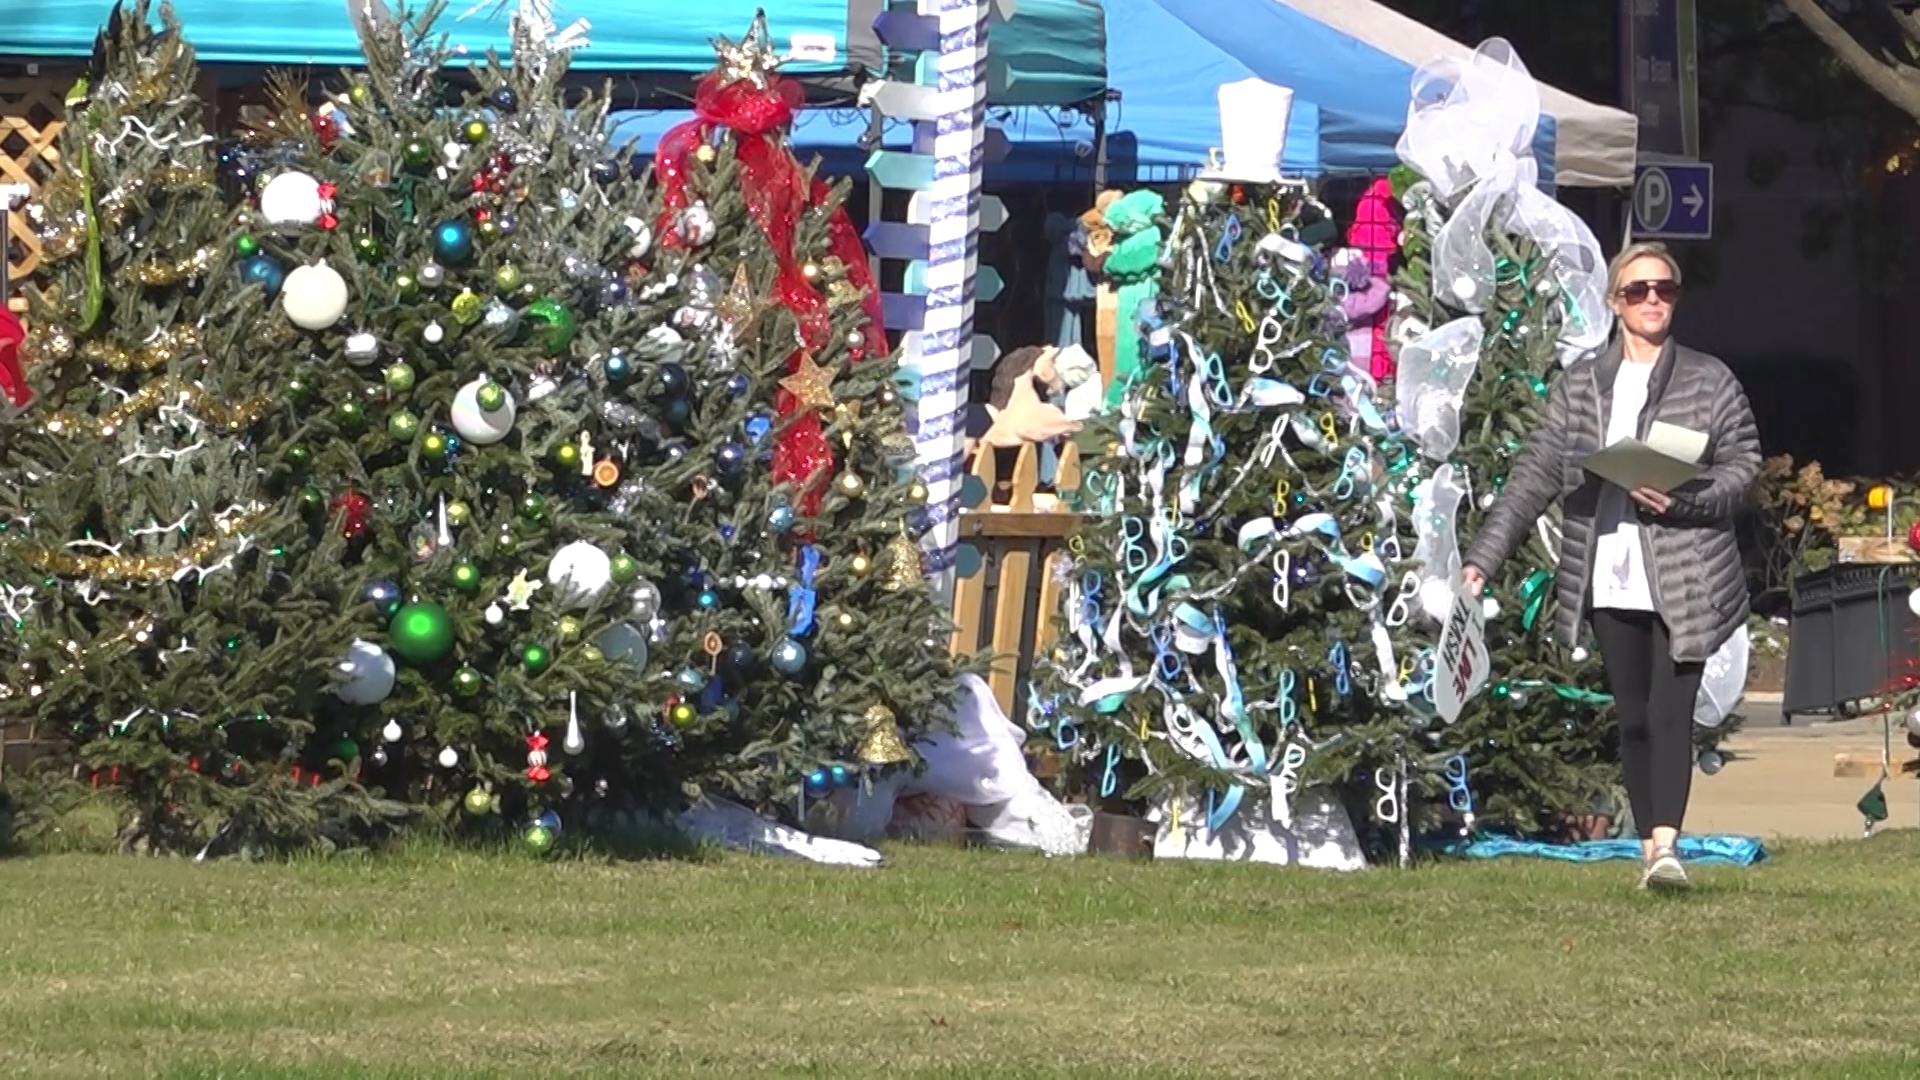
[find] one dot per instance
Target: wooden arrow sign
(906, 172)
(903, 312)
(993, 212)
(986, 352)
(896, 239)
(987, 283)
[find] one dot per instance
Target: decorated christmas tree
(161, 626)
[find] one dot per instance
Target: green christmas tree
(1221, 642)
(161, 628)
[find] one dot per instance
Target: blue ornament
(453, 243)
(616, 367)
(839, 775)
(730, 459)
(758, 426)
(691, 678)
(739, 384)
(708, 600)
(817, 784)
(549, 820)
(789, 657)
(679, 411)
(384, 595)
(726, 532)
(264, 271)
(780, 518)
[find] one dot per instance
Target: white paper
(1462, 667)
(1670, 457)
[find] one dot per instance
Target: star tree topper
(751, 59)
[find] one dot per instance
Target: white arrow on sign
(1694, 200)
(1002, 9)
(993, 212)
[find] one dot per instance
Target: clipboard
(1669, 457)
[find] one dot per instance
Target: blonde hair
(1645, 249)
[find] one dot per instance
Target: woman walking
(1657, 573)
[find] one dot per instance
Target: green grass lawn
(954, 964)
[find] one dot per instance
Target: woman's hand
(1474, 579)
(1652, 500)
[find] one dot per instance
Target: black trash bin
(1852, 637)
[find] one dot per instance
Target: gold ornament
(704, 154)
(466, 307)
(751, 59)
(883, 745)
(811, 272)
(811, 384)
(903, 565)
(845, 621)
(737, 308)
(851, 485)
(917, 493)
(860, 565)
(161, 274)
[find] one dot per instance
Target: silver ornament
(362, 348)
(431, 275)
(646, 601)
(642, 235)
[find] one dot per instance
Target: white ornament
(434, 333)
(580, 574)
(314, 297)
(536, 758)
(369, 675)
(362, 349)
(576, 741)
(392, 732)
(1913, 601)
(448, 757)
(1464, 289)
(431, 275)
(1580, 654)
(292, 198)
(1491, 607)
(495, 615)
(697, 226)
(642, 237)
(476, 425)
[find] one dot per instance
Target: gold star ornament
(737, 307)
(810, 383)
(751, 59)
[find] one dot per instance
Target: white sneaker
(1665, 871)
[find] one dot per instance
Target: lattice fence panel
(31, 116)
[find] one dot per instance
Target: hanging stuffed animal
(1364, 309)
(1375, 234)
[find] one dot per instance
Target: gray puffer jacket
(1693, 560)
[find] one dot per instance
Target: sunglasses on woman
(1636, 292)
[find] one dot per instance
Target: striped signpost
(940, 240)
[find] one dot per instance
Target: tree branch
(1893, 81)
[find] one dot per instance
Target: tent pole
(1100, 144)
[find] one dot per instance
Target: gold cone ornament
(903, 568)
(883, 745)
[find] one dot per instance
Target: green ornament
(567, 456)
(467, 682)
(625, 568)
(399, 378)
(346, 749)
(538, 839)
(406, 285)
(535, 658)
(506, 543)
(490, 397)
(349, 413)
(467, 307)
(458, 513)
(416, 154)
(568, 627)
(682, 715)
(246, 247)
(466, 577)
(558, 321)
(533, 506)
(507, 277)
(434, 446)
(403, 426)
(297, 388)
(421, 632)
(360, 95)
(298, 456)
(474, 131)
(592, 654)
(367, 248)
(311, 499)
(488, 230)
(479, 802)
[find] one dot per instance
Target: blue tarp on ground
(1050, 51)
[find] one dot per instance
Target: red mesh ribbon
(13, 373)
(777, 192)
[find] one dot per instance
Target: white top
(1619, 562)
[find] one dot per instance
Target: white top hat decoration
(1253, 132)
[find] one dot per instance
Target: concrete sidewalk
(1780, 782)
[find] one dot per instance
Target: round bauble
(623, 643)
(696, 225)
(292, 198)
(314, 297)
(468, 681)
(535, 658)
(399, 378)
(482, 427)
(818, 784)
(452, 243)
(646, 601)
(367, 675)
(384, 595)
(478, 802)
(362, 349)
(538, 839)
(789, 657)
(730, 459)
(580, 574)
(264, 271)
(421, 632)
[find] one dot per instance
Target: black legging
(1653, 697)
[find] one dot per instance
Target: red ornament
(326, 129)
(1913, 537)
(327, 191)
(329, 222)
(480, 182)
(352, 507)
(13, 374)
